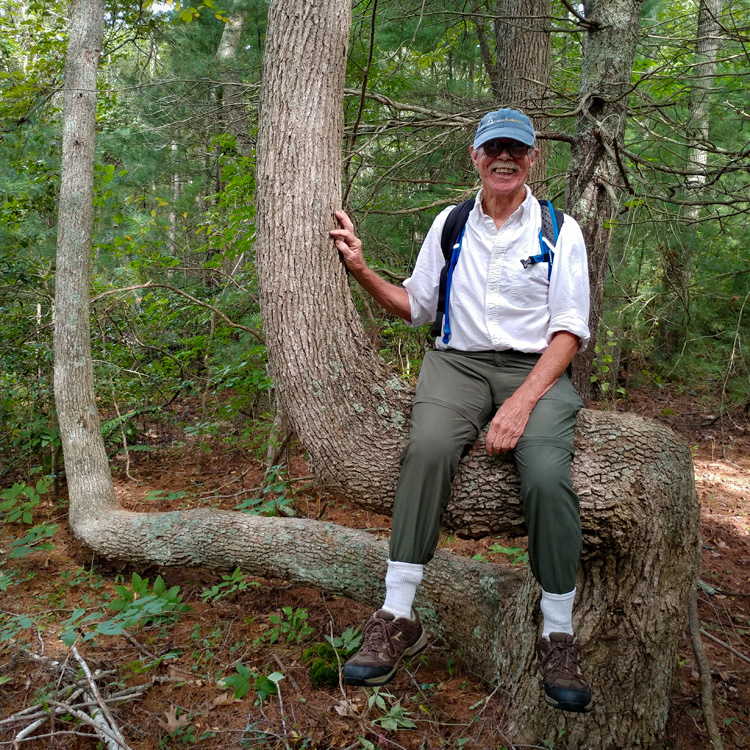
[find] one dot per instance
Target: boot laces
(561, 661)
(376, 636)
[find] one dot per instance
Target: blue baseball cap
(505, 123)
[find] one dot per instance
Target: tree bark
(595, 172)
(523, 44)
(635, 479)
(639, 507)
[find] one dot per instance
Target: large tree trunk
(592, 192)
(522, 40)
(639, 507)
(635, 478)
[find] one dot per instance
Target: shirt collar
(522, 212)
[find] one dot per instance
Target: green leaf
(241, 682)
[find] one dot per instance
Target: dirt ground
(175, 671)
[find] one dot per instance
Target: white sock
(558, 613)
(401, 583)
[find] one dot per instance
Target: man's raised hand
(348, 244)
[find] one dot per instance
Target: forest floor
(230, 628)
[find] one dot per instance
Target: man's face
(503, 165)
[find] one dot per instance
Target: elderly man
(514, 318)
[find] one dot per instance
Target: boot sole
(384, 679)
(575, 708)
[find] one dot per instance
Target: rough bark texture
(635, 477)
(522, 40)
(592, 192)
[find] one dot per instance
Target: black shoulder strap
(551, 231)
(455, 222)
(552, 220)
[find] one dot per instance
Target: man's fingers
(497, 443)
(344, 220)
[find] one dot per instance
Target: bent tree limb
(639, 507)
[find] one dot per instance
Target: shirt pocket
(530, 285)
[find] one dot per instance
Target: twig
(283, 718)
(24, 733)
(284, 671)
(704, 670)
(587, 22)
(274, 458)
(31, 713)
(338, 661)
(107, 719)
(139, 645)
(726, 645)
(99, 727)
(123, 436)
(151, 655)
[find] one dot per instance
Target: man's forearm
(550, 366)
(393, 298)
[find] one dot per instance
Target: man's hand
(349, 245)
(508, 425)
(393, 298)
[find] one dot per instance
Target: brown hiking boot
(386, 641)
(559, 667)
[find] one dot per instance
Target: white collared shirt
(495, 303)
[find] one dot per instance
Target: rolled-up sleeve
(569, 285)
(423, 285)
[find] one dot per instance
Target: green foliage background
(174, 231)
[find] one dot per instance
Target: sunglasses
(516, 149)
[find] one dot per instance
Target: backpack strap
(450, 240)
(552, 221)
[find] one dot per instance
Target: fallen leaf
(173, 722)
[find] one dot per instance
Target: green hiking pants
(458, 393)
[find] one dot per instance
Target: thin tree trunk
(593, 190)
(678, 258)
(86, 465)
(232, 99)
(176, 191)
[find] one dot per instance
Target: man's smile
(504, 168)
